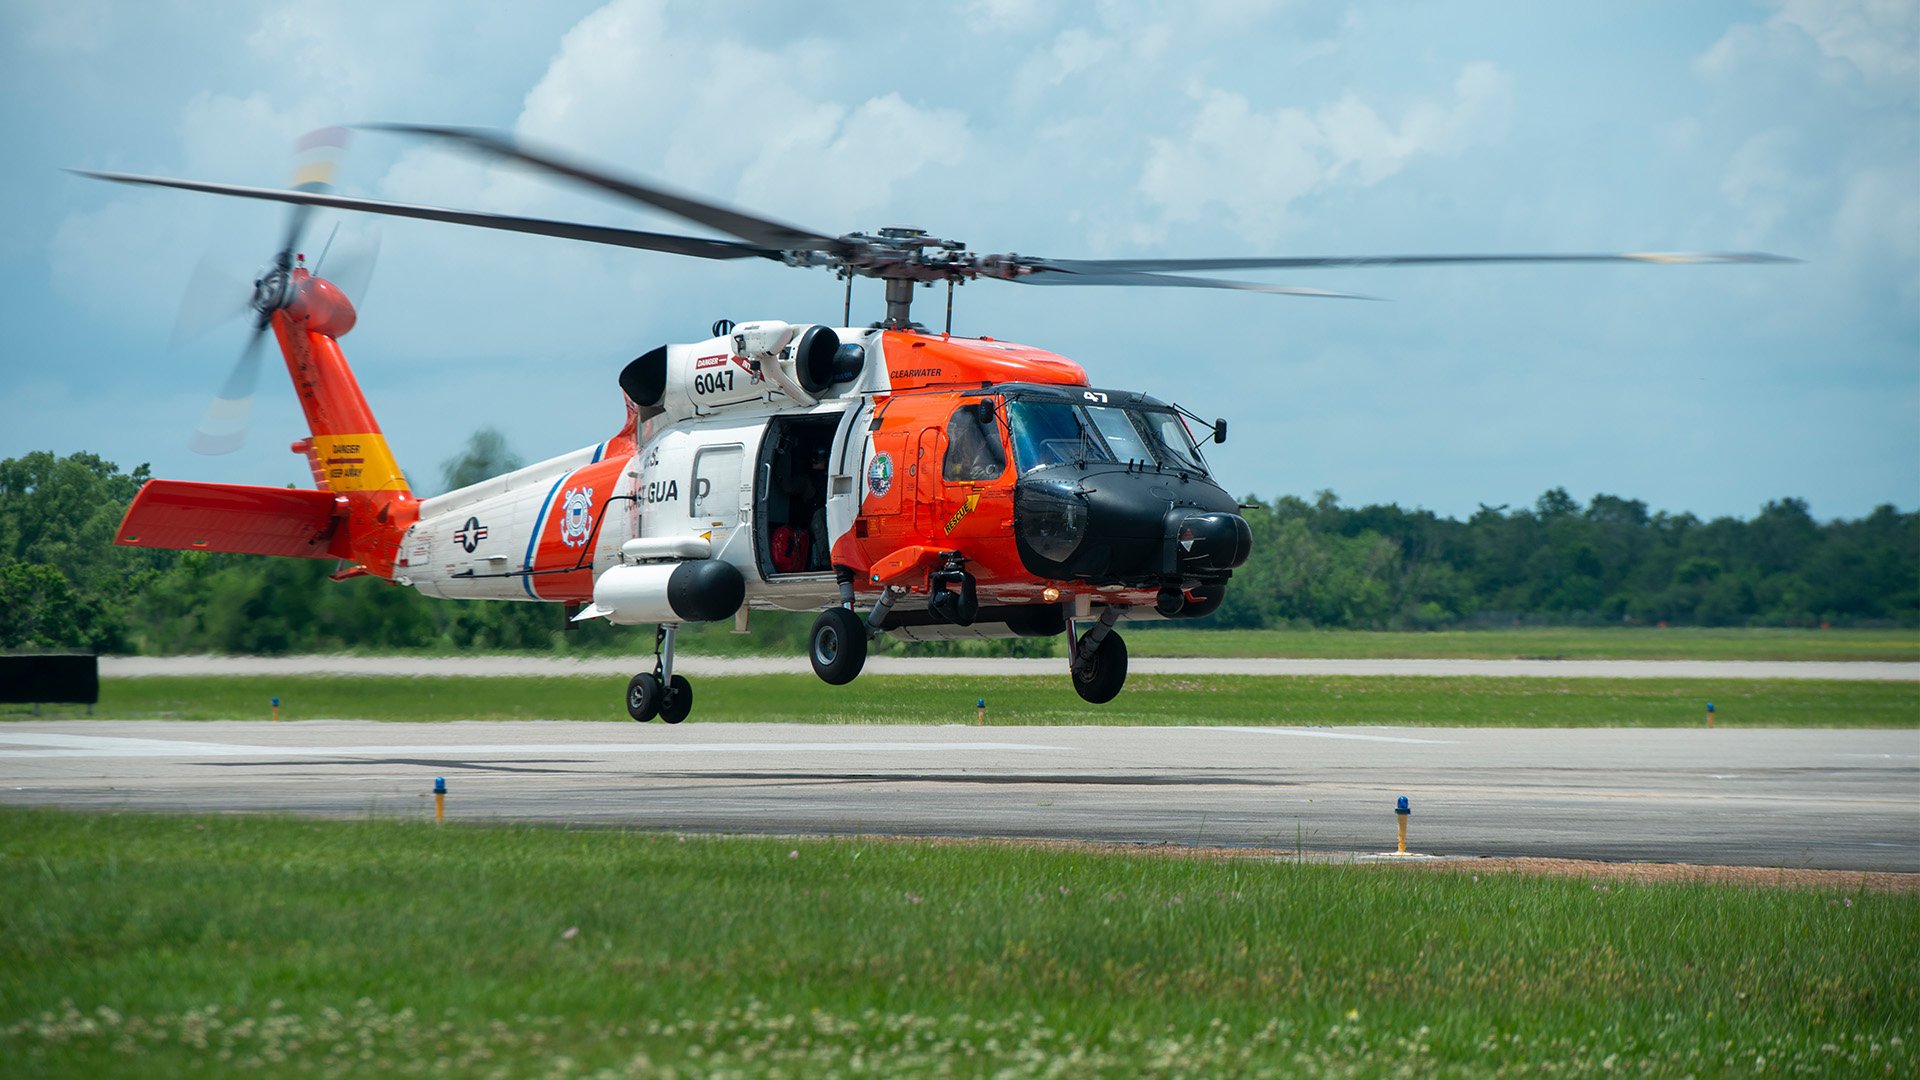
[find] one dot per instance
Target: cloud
(1819, 100)
(1255, 164)
(1877, 41)
(760, 120)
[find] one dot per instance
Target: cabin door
(717, 491)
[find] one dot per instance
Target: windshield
(1059, 432)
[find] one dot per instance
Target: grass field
(1148, 699)
(785, 634)
(223, 946)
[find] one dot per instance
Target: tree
(485, 457)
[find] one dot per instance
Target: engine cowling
(753, 362)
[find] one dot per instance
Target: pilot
(973, 444)
(818, 558)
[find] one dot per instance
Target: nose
(1112, 526)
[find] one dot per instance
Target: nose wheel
(1098, 666)
(660, 692)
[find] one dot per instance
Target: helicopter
(893, 480)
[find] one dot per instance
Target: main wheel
(679, 700)
(643, 696)
(1100, 678)
(838, 646)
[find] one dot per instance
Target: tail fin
(364, 505)
(186, 516)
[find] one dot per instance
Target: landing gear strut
(660, 692)
(1098, 662)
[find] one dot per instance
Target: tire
(1099, 680)
(643, 696)
(837, 646)
(679, 700)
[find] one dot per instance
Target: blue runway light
(1402, 807)
(276, 703)
(440, 785)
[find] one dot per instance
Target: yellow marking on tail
(358, 462)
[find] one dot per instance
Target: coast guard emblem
(880, 473)
(576, 520)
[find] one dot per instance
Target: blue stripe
(527, 582)
(597, 451)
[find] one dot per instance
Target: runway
(1844, 800)
(134, 667)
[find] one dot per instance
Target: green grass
(1148, 699)
(242, 946)
(1539, 643)
(784, 634)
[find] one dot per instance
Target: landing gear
(1098, 665)
(678, 702)
(837, 646)
(660, 692)
(643, 697)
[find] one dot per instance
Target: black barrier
(68, 679)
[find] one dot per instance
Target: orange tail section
(183, 515)
(366, 505)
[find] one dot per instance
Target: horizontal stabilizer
(186, 516)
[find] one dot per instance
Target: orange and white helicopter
(952, 487)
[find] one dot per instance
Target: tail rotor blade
(350, 263)
(297, 219)
(213, 296)
(224, 428)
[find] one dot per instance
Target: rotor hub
(271, 292)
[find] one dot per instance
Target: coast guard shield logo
(576, 520)
(880, 473)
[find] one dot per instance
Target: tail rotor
(214, 296)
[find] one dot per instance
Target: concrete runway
(1847, 800)
(134, 667)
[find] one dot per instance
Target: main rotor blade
(224, 428)
(566, 230)
(1076, 266)
(1047, 276)
(755, 230)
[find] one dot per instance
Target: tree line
(64, 584)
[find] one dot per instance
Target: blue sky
(1110, 129)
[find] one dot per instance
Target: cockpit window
(1058, 432)
(1123, 439)
(1051, 433)
(1171, 441)
(974, 450)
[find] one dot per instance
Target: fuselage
(1046, 488)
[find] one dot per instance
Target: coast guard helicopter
(951, 487)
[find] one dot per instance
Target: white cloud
(758, 122)
(1874, 40)
(1255, 164)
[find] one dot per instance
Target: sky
(1107, 129)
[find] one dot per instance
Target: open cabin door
(791, 489)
